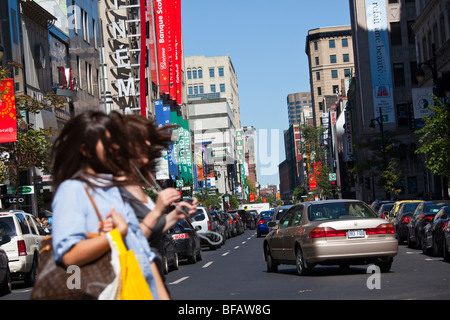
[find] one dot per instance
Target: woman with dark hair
(89, 151)
(148, 141)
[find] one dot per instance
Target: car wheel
(199, 255)
(176, 262)
(30, 277)
(7, 286)
(272, 266)
(300, 263)
(425, 249)
(410, 244)
(436, 252)
(446, 254)
(165, 264)
(385, 266)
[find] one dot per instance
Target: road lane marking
(225, 253)
(237, 247)
(179, 280)
(243, 242)
(208, 264)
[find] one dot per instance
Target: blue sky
(266, 43)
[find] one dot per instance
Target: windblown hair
(83, 132)
(140, 131)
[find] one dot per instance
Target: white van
(26, 235)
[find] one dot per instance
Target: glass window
(346, 57)
(221, 74)
(315, 45)
(194, 74)
(333, 58)
(339, 210)
(213, 88)
(317, 75)
(7, 227)
(189, 74)
(345, 42)
(317, 61)
(190, 90)
(222, 87)
(200, 89)
(331, 44)
(211, 72)
(334, 74)
(200, 73)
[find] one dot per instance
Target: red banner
(162, 26)
(143, 57)
(151, 42)
(177, 51)
(8, 123)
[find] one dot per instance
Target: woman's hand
(115, 220)
(165, 198)
(192, 209)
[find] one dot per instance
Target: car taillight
(261, 222)
(180, 236)
(326, 232)
(444, 225)
(209, 225)
(406, 219)
(385, 228)
(428, 218)
(22, 247)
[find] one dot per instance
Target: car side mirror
(272, 225)
(4, 239)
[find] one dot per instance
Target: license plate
(356, 234)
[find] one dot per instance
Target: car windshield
(431, 208)
(410, 207)
(339, 210)
(266, 214)
(199, 216)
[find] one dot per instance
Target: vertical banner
(142, 59)
(422, 99)
(151, 45)
(161, 44)
(177, 50)
(8, 123)
(162, 113)
(380, 59)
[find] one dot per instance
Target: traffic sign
(332, 177)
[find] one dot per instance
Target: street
(237, 271)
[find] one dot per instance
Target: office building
(299, 107)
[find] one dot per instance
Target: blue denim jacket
(74, 217)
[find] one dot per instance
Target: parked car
(402, 218)
(203, 222)
(446, 246)
(279, 212)
(264, 218)
(330, 232)
(23, 250)
(232, 224)
(377, 203)
(433, 233)
(423, 215)
(5, 274)
(187, 241)
(251, 218)
(227, 223)
(384, 209)
(221, 224)
(397, 205)
(238, 221)
(169, 254)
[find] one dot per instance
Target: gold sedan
(330, 232)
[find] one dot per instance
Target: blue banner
(162, 113)
(380, 59)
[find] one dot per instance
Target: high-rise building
(330, 56)
(213, 76)
(299, 107)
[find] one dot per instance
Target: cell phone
(186, 209)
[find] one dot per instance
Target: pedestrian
(147, 141)
(90, 149)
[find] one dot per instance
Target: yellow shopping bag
(133, 285)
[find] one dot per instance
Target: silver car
(330, 232)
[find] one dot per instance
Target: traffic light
(333, 184)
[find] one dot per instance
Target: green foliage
(209, 198)
(435, 139)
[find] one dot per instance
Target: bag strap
(95, 206)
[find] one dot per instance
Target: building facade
(330, 59)
(299, 107)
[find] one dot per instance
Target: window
(195, 89)
(396, 34)
(317, 75)
(333, 58)
(334, 74)
(211, 72)
(331, 44)
(402, 115)
(346, 57)
(399, 74)
(317, 61)
(200, 89)
(222, 87)
(344, 43)
(200, 73)
(213, 88)
(221, 74)
(190, 90)
(189, 74)
(194, 74)
(319, 91)
(335, 89)
(315, 45)
(347, 73)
